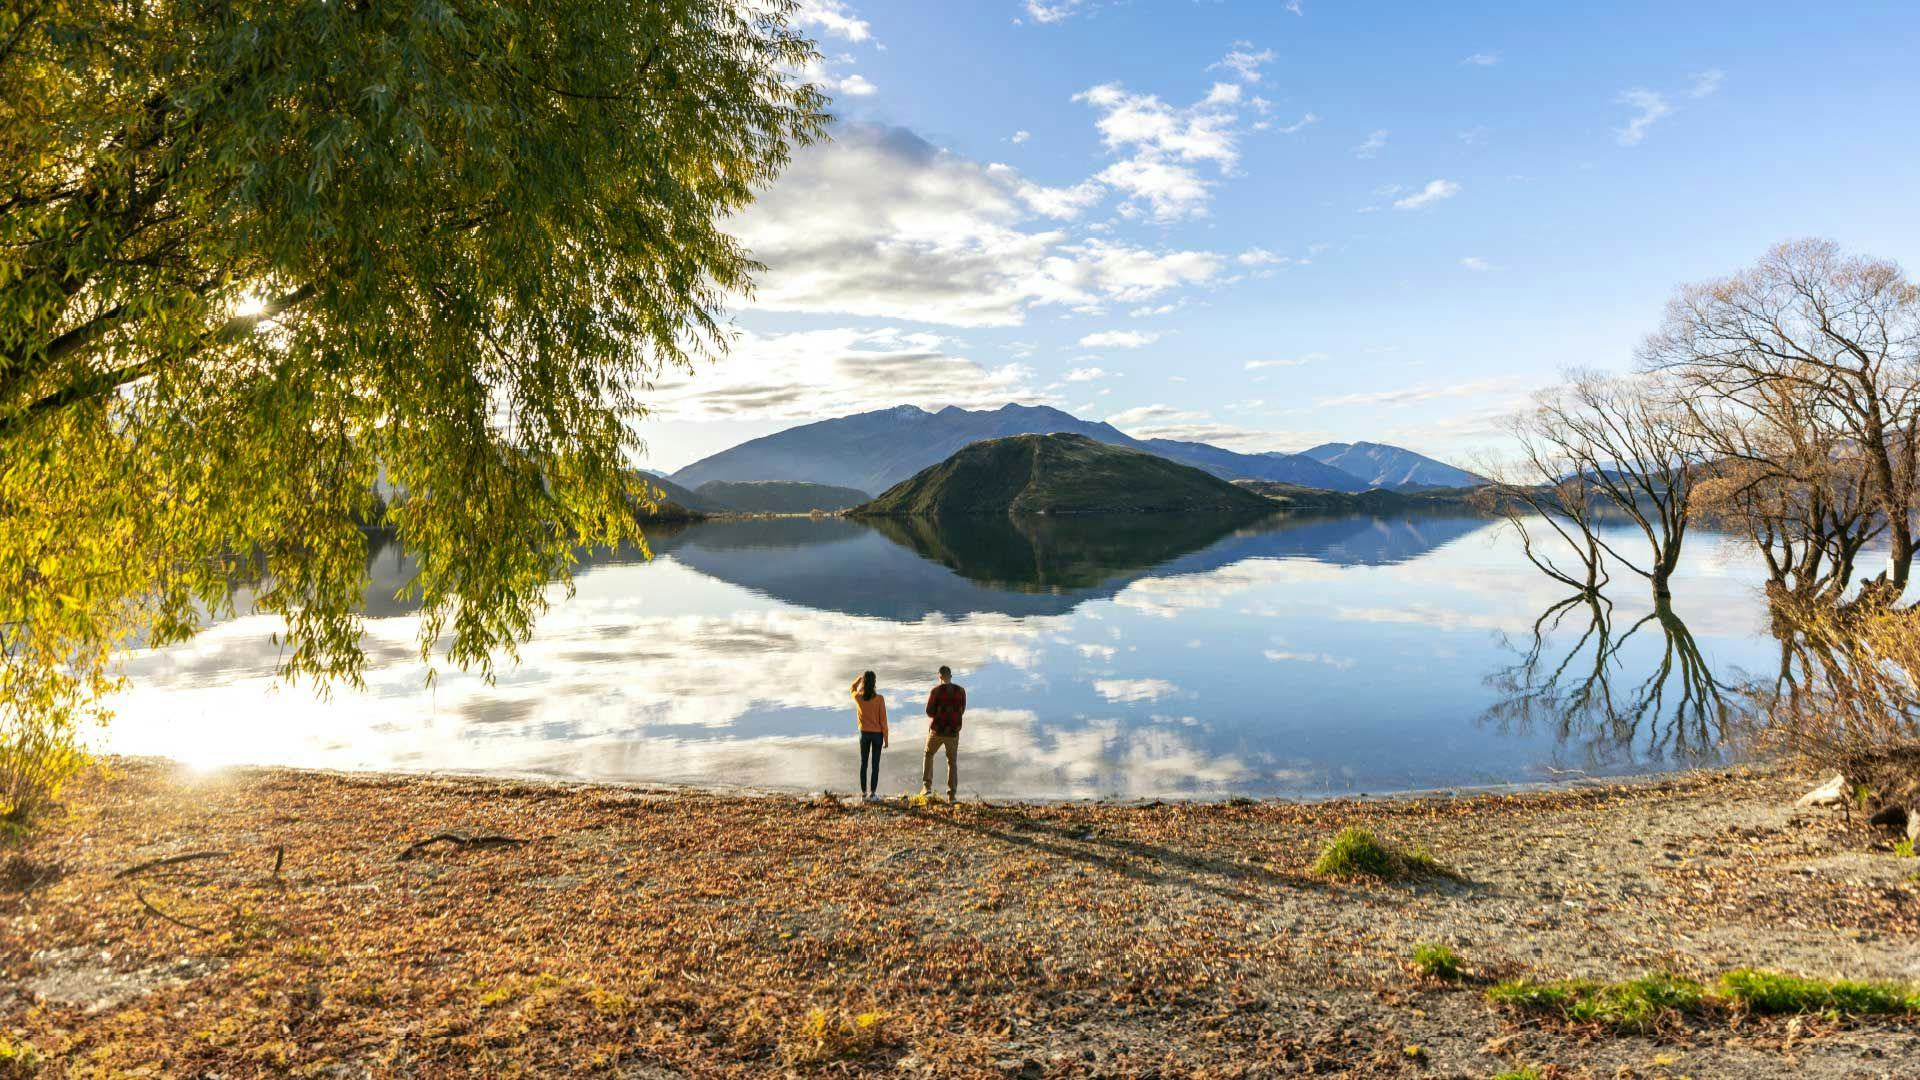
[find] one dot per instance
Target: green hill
(778, 496)
(1059, 474)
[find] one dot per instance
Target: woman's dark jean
(870, 742)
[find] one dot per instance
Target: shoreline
(651, 932)
(748, 791)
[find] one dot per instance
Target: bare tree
(1546, 508)
(1628, 441)
(1784, 476)
(1835, 341)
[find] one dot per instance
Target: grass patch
(1903, 848)
(1524, 1072)
(1354, 852)
(1635, 1005)
(1771, 992)
(1437, 962)
(1640, 1004)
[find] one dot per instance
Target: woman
(871, 709)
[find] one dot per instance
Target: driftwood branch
(459, 841)
(150, 906)
(155, 864)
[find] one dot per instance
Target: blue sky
(1268, 225)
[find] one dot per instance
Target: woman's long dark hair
(866, 687)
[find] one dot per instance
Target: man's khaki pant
(934, 744)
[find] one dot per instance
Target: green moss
(1630, 1006)
(1903, 848)
(1524, 1072)
(1355, 852)
(1772, 992)
(1437, 962)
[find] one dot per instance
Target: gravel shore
(620, 931)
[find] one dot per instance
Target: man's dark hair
(946, 672)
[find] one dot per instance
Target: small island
(1059, 474)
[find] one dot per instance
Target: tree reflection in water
(1617, 697)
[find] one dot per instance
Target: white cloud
(1065, 203)
(1435, 191)
(857, 86)
(1119, 339)
(1282, 656)
(1706, 83)
(1096, 652)
(1169, 191)
(1021, 136)
(1294, 6)
(1260, 257)
(1054, 11)
(1376, 141)
(1412, 395)
(1286, 361)
(1482, 59)
(1653, 107)
(833, 17)
(1088, 374)
(1293, 128)
(1244, 62)
(881, 224)
(1131, 274)
(1163, 144)
(1134, 689)
(1147, 414)
(813, 374)
(1474, 262)
(1160, 421)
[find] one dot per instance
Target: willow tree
(1822, 351)
(1626, 441)
(258, 258)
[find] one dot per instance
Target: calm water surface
(1139, 656)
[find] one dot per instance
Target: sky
(1268, 224)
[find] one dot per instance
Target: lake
(1134, 656)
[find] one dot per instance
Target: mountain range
(873, 451)
(1391, 467)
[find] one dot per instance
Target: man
(944, 706)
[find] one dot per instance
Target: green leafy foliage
(258, 260)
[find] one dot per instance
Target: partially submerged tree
(1787, 480)
(255, 256)
(1554, 514)
(1821, 351)
(1624, 440)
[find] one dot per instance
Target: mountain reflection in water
(1166, 655)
